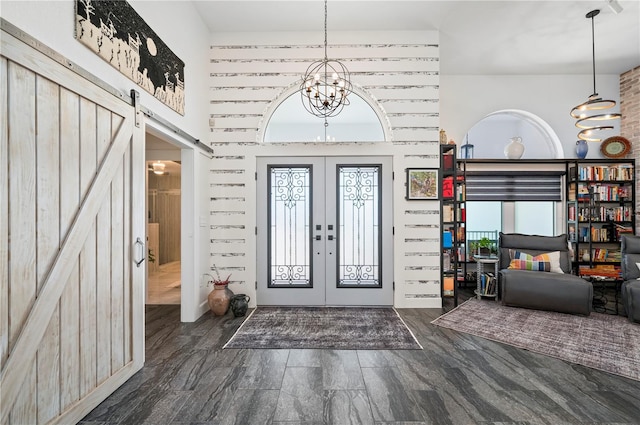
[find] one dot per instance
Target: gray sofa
(630, 250)
(563, 293)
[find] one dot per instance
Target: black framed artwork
(422, 183)
(116, 33)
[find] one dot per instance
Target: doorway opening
(164, 204)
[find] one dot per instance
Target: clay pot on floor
(219, 299)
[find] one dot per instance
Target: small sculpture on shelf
(515, 148)
(466, 150)
(443, 137)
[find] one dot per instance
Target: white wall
(53, 23)
(466, 99)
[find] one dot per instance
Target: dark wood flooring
(457, 379)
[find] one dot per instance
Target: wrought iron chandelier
(326, 84)
(589, 119)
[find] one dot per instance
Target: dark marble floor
(457, 379)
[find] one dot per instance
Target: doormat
(600, 341)
(339, 328)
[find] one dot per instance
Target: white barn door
(71, 210)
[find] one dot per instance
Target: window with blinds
(513, 186)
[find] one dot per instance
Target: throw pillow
(554, 257)
(523, 261)
(638, 266)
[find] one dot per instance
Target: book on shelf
(487, 284)
(602, 213)
(446, 261)
(447, 213)
(606, 192)
(461, 214)
(607, 255)
(601, 270)
(572, 192)
(447, 161)
(622, 230)
(613, 172)
(447, 187)
(461, 254)
(447, 239)
(447, 287)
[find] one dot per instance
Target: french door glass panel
(289, 226)
(358, 218)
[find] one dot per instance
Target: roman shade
(514, 186)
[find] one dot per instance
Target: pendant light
(326, 84)
(589, 118)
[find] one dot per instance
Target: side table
(487, 283)
(603, 285)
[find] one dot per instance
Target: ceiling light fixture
(589, 122)
(326, 84)
(614, 6)
(158, 167)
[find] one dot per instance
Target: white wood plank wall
(401, 74)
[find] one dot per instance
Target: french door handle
(139, 243)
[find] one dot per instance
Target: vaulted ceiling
(476, 37)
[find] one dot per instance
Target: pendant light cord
(593, 54)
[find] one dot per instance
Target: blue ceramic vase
(581, 149)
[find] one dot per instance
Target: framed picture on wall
(115, 32)
(422, 183)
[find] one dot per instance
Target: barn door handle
(139, 243)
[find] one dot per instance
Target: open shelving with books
(600, 208)
(452, 222)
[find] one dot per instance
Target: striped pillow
(524, 261)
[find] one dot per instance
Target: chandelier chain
(326, 84)
(325, 31)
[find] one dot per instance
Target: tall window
(535, 218)
(529, 217)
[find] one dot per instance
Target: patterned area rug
(338, 328)
(600, 341)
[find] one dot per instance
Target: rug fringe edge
(408, 328)
(239, 327)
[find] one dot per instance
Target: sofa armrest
(564, 293)
(631, 300)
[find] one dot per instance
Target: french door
(324, 231)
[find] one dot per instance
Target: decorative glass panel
(289, 226)
(359, 226)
